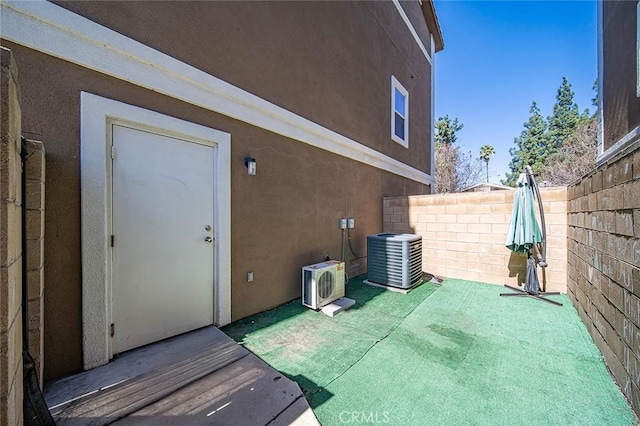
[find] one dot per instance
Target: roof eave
(429, 12)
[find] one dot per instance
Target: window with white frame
(399, 113)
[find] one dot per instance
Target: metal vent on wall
(394, 259)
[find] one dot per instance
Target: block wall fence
(12, 250)
(11, 388)
(35, 169)
(463, 235)
(604, 265)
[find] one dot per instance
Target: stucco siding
(329, 62)
(283, 218)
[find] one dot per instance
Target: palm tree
(485, 152)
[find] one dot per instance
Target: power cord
(351, 247)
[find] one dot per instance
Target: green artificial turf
(455, 353)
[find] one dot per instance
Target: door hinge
(113, 329)
(113, 240)
(113, 151)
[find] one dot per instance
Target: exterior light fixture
(250, 164)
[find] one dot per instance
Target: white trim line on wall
(625, 142)
(53, 30)
(413, 31)
(97, 116)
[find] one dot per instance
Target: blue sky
(499, 56)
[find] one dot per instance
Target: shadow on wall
(518, 267)
(463, 234)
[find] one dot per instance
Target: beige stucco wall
(463, 235)
(604, 265)
(10, 245)
(287, 215)
(328, 61)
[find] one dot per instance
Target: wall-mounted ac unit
(322, 283)
(394, 259)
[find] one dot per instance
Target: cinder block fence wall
(604, 265)
(10, 245)
(35, 169)
(463, 234)
(11, 249)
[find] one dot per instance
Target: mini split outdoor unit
(394, 259)
(322, 283)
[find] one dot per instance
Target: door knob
(208, 240)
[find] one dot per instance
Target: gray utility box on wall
(394, 259)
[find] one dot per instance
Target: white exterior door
(163, 248)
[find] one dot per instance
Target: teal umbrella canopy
(524, 231)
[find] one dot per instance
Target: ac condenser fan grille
(326, 285)
(394, 259)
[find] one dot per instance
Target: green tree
(566, 116)
(455, 169)
(577, 155)
(487, 151)
(447, 129)
(531, 147)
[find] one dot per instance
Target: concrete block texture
(10, 224)
(35, 194)
(467, 233)
(10, 244)
(10, 293)
(36, 161)
(11, 372)
(604, 259)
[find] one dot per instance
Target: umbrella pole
(542, 257)
(535, 294)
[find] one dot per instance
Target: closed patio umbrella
(525, 235)
(524, 230)
(531, 282)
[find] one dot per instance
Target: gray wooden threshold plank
(156, 387)
(110, 404)
(246, 392)
(154, 357)
(210, 360)
(131, 386)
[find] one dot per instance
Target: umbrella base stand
(540, 296)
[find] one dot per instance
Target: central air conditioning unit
(322, 283)
(394, 259)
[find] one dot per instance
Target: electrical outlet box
(343, 223)
(351, 223)
(250, 276)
